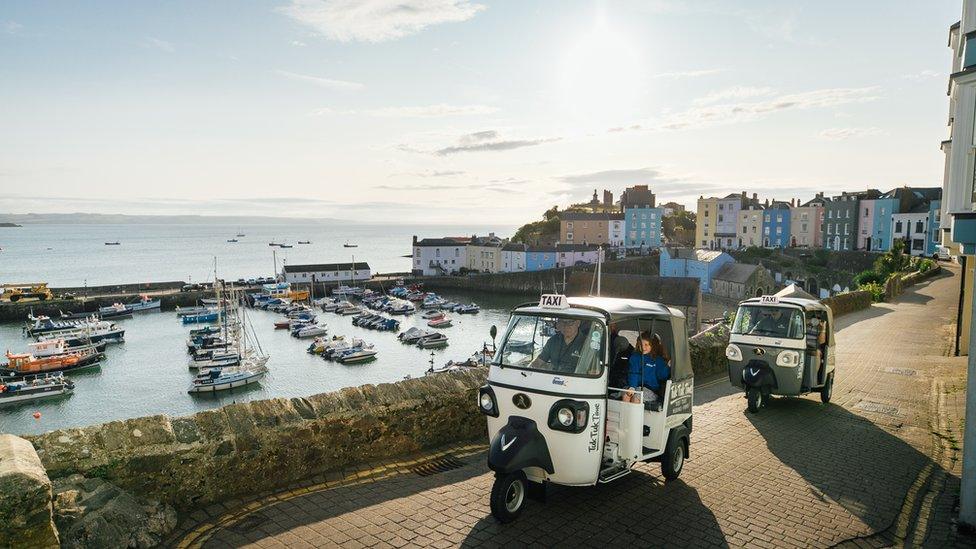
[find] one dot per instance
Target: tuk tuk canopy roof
(602, 307)
(792, 295)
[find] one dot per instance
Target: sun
(602, 76)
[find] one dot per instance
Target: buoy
(37, 415)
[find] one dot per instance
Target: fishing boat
(285, 246)
(240, 234)
(24, 363)
(113, 243)
(440, 322)
(231, 240)
(91, 333)
(211, 316)
(38, 325)
(59, 346)
(348, 245)
(433, 341)
(344, 290)
(184, 311)
(34, 387)
(304, 241)
(145, 303)
(357, 356)
(115, 310)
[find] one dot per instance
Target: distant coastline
(7, 224)
(79, 218)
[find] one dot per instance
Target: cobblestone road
(878, 466)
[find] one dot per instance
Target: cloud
(616, 178)
(432, 173)
(735, 92)
(10, 27)
(426, 111)
(163, 45)
(377, 20)
(482, 141)
(707, 115)
(687, 74)
(298, 43)
(631, 128)
(921, 75)
(340, 85)
(836, 134)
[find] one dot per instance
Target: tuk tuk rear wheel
(828, 389)
(755, 398)
(508, 496)
(673, 459)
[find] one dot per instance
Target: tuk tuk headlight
(487, 402)
(733, 352)
(565, 417)
(569, 415)
(788, 358)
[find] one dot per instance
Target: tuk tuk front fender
(519, 445)
(757, 373)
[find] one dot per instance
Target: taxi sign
(553, 301)
(771, 299)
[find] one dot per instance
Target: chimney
(792, 202)
(743, 194)
(414, 240)
(767, 202)
(755, 196)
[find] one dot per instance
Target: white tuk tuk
(565, 405)
(782, 344)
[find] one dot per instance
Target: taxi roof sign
(769, 299)
(553, 301)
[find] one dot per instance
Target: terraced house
(840, 225)
(776, 225)
(591, 228)
(642, 219)
(484, 253)
(806, 222)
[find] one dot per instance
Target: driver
(771, 321)
(562, 353)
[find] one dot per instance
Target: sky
(461, 111)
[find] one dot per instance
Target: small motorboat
(349, 309)
(311, 330)
(34, 387)
(231, 240)
(440, 322)
(467, 309)
(348, 245)
(282, 325)
(356, 356)
(116, 243)
(432, 341)
(304, 241)
(211, 316)
(184, 311)
(285, 246)
(145, 303)
(413, 335)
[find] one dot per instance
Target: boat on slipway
(35, 387)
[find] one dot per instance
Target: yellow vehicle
(25, 292)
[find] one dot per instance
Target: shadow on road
(639, 510)
(848, 458)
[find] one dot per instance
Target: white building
(439, 256)
(513, 258)
(912, 228)
(327, 272)
(617, 230)
(568, 255)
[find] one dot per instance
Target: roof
(736, 272)
(514, 247)
(491, 241)
(779, 206)
(694, 254)
(586, 216)
(446, 241)
(576, 247)
(541, 249)
(326, 267)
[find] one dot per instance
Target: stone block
(25, 497)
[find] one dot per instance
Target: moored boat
(36, 387)
(440, 322)
(356, 356)
(433, 341)
(19, 364)
(222, 379)
(145, 303)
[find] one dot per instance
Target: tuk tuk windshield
(571, 346)
(769, 321)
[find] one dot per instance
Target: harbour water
(148, 373)
(73, 255)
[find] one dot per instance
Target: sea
(148, 373)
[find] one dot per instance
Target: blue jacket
(656, 371)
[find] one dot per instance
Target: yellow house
(706, 222)
(484, 254)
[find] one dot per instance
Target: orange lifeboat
(23, 363)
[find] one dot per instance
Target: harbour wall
(18, 312)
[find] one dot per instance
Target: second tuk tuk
(782, 344)
(559, 405)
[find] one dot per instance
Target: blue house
(884, 208)
(642, 227)
(935, 219)
(776, 225)
(538, 258)
(690, 263)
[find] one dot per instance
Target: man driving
(562, 352)
(771, 321)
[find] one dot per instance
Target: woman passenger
(648, 369)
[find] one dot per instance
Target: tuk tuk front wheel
(508, 496)
(828, 389)
(755, 398)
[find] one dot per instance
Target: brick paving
(877, 467)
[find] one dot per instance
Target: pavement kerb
(199, 535)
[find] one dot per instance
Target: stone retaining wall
(25, 497)
(841, 304)
(258, 446)
(708, 351)
(896, 284)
